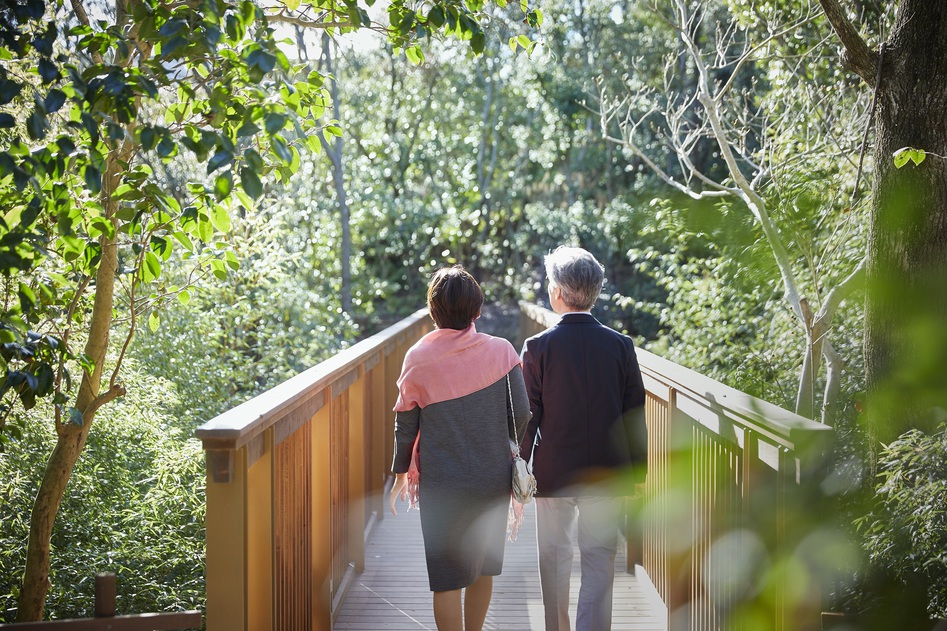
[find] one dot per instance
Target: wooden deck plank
(393, 594)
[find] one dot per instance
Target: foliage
(76, 174)
(135, 507)
(275, 316)
(905, 531)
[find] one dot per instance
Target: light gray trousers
(598, 519)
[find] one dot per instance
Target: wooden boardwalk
(393, 594)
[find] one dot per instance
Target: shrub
(905, 531)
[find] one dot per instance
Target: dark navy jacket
(587, 397)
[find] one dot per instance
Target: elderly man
(587, 399)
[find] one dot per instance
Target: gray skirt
(464, 537)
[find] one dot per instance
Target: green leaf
(36, 125)
(54, 100)
(151, 267)
(223, 184)
(9, 90)
(93, 179)
(47, 70)
(292, 5)
(184, 240)
(282, 150)
(153, 321)
(436, 16)
(274, 122)
(477, 42)
(251, 182)
(254, 159)
(27, 297)
(414, 55)
(219, 269)
(220, 158)
(909, 154)
(220, 218)
(184, 297)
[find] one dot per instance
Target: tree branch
(306, 23)
(117, 390)
(856, 56)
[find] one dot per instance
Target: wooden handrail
(295, 480)
(237, 426)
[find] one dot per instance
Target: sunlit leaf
(223, 184)
(220, 218)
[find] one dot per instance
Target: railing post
(105, 595)
(380, 435)
(260, 532)
(226, 540)
(358, 447)
(321, 522)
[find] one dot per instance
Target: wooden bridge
(297, 537)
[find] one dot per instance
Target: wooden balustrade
(727, 473)
(295, 479)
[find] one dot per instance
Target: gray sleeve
(520, 413)
(406, 431)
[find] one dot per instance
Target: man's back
(582, 377)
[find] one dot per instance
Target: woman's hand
(399, 488)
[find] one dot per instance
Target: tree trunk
(334, 151)
(71, 438)
(905, 333)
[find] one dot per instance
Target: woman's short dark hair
(454, 298)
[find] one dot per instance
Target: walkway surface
(393, 593)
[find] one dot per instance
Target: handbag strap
(509, 391)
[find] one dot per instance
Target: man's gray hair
(577, 275)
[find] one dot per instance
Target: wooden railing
(106, 620)
(295, 480)
(728, 493)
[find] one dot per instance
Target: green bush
(905, 532)
(135, 507)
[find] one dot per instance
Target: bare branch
(840, 292)
(304, 22)
(856, 56)
(748, 55)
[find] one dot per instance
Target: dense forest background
(724, 226)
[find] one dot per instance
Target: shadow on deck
(393, 593)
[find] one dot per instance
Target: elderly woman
(460, 394)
